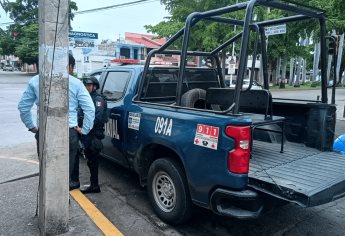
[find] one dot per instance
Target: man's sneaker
(90, 189)
(73, 185)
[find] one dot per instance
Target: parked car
(8, 68)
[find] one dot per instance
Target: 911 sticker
(134, 121)
(206, 136)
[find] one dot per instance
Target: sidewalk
(18, 192)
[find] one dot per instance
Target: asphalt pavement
(19, 170)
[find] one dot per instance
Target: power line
(126, 4)
(114, 6)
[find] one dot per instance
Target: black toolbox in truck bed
(302, 175)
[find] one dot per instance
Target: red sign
(208, 130)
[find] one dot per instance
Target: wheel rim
(164, 191)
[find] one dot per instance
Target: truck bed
(302, 175)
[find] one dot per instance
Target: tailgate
(301, 175)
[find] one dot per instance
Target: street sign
(277, 29)
(231, 69)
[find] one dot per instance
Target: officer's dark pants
(73, 149)
(37, 144)
(92, 162)
(73, 158)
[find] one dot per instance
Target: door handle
(115, 116)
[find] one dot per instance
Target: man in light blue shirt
(78, 96)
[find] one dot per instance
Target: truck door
(114, 89)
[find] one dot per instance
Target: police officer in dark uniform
(92, 142)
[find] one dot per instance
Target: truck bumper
(244, 204)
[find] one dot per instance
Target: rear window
(201, 76)
(161, 83)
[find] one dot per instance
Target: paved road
(314, 95)
(12, 130)
(125, 203)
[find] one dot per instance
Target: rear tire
(168, 191)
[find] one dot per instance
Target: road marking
(95, 215)
(20, 159)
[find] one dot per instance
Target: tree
(205, 35)
(27, 49)
(22, 37)
(208, 34)
(7, 45)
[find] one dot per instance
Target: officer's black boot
(73, 185)
(92, 163)
(91, 189)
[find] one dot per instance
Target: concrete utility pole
(53, 118)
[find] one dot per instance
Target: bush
(315, 84)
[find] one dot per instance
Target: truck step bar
(301, 175)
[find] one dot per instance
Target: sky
(113, 23)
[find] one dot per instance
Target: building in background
(150, 42)
(91, 55)
(88, 53)
(129, 50)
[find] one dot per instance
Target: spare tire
(194, 98)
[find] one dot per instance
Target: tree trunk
(339, 60)
(316, 61)
(261, 73)
(304, 70)
(269, 72)
(292, 69)
(298, 72)
(341, 78)
(329, 65)
(223, 63)
(278, 76)
(274, 76)
(284, 65)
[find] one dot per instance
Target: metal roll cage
(303, 12)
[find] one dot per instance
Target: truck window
(115, 84)
(161, 84)
(97, 75)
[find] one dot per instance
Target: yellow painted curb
(95, 215)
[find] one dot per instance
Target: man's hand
(78, 129)
(34, 130)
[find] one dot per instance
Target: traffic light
(332, 45)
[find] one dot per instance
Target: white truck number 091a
(163, 126)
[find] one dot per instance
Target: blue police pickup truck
(194, 141)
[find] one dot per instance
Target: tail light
(238, 158)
